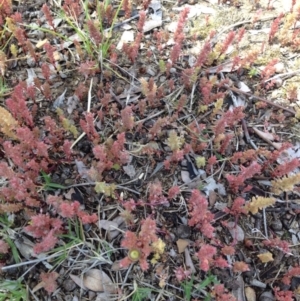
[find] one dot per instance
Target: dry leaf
(40, 44)
(263, 135)
(127, 37)
(181, 245)
(265, 257)
(236, 231)
(102, 297)
(188, 261)
(98, 281)
(107, 225)
(68, 195)
(250, 294)
(38, 286)
(78, 280)
(116, 266)
(59, 101)
(25, 247)
(185, 176)
(110, 226)
(56, 55)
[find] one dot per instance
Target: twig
(265, 223)
(88, 110)
(217, 37)
(192, 96)
(259, 134)
(17, 265)
(122, 23)
(283, 75)
(246, 133)
(90, 97)
(149, 117)
(260, 98)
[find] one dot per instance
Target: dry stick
(244, 125)
(259, 134)
(216, 38)
(150, 117)
(265, 223)
(88, 110)
(247, 136)
(17, 265)
(261, 99)
(123, 22)
(283, 75)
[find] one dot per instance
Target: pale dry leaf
(268, 295)
(59, 101)
(103, 297)
(172, 26)
(196, 10)
(236, 231)
(38, 286)
(185, 176)
(188, 261)
(68, 195)
(150, 24)
(212, 186)
(259, 31)
(25, 247)
(31, 76)
(181, 245)
(126, 27)
(155, 5)
(56, 56)
(111, 228)
(238, 290)
(227, 66)
(277, 145)
(130, 170)
(72, 102)
(119, 220)
(107, 225)
(40, 44)
(250, 294)
(155, 18)
(127, 37)
(69, 42)
(83, 170)
(78, 280)
(116, 266)
(98, 281)
(57, 21)
(243, 87)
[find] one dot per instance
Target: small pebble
(69, 285)
(276, 225)
(183, 231)
(279, 67)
